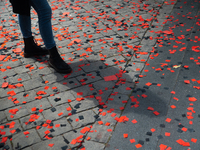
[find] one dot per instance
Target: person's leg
(44, 15)
(30, 48)
(25, 25)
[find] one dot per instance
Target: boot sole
(60, 71)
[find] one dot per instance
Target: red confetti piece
(47, 132)
(173, 106)
(193, 140)
(167, 134)
(84, 130)
(134, 121)
(187, 81)
(110, 78)
(125, 135)
(26, 132)
(173, 92)
(109, 130)
(50, 145)
(60, 114)
(168, 120)
(132, 140)
(150, 108)
(138, 145)
(192, 99)
(4, 84)
(183, 143)
(156, 113)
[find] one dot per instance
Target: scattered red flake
(100, 122)
(110, 78)
(60, 114)
(167, 134)
(163, 147)
(173, 106)
(173, 92)
(125, 135)
(187, 81)
(148, 84)
(109, 130)
(132, 140)
(168, 120)
(153, 130)
(107, 124)
(47, 132)
(184, 129)
(192, 99)
(134, 121)
(84, 130)
(4, 84)
(183, 143)
(150, 108)
(26, 132)
(156, 113)
(50, 145)
(193, 140)
(57, 125)
(138, 145)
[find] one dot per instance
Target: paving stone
(33, 83)
(83, 91)
(103, 85)
(47, 90)
(38, 104)
(12, 64)
(117, 101)
(67, 84)
(56, 128)
(76, 135)
(22, 69)
(82, 119)
(2, 117)
(21, 140)
(88, 78)
(6, 145)
(25, 97)
(57, 112)
(31, 121)
(40, 72)
(102, 96)
(54, 77)
(94, 66)
(20, 112)
(4, 91)
(57, 143)
(93, 145)
(20, 78)
(7, 73)
(85, 104)
(99, 133)
(109, 115)
(61, 98)
(114, 60)
(6, 103)
(124, 88)
(10, 128)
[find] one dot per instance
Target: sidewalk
(134, 85)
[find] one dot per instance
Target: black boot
(56, 62)
(32, 49)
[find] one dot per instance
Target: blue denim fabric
(44, 16)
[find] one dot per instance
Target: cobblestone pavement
(134, 85)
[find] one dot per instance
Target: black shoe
(32, 49)
(56, 62)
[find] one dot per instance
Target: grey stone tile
(82, 119)
(85, 104)
(93, 145)
(25, 68)
(10, 128)
(33, 83)
(31, 121)
(20, 78)
(5, 104)
(88, 78)
(99, 133)
(2, 117)
(56, 112)
(5, 92)
(76, 136)
(41, 104)
(56, 128)
(54, 77)
(61, 98)
(40, 72)
(16, 112)
(54, 144)
(21, 140)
